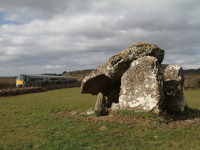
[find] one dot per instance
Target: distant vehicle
(24, 80)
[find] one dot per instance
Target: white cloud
(70, 35)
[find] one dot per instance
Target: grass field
(57, 120)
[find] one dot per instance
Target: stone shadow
(188, 114)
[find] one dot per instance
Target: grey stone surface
(173, 88)
(115, 106)
(90, 111)
(108, 75)
(95, 83)
(100, 106)
(141, 86)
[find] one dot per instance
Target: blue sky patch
(3, 21)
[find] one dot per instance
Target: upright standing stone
(173, 88)
(100, 106)
(141, 86)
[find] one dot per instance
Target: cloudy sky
(48, 36)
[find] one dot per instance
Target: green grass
(47, 120)
(193, 98)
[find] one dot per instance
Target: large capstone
(173, 88)
(95, 83)
(141, 86)
(107, 76)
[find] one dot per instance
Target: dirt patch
(113, 118)
(118, 119)
(184, 123)
(171, 124)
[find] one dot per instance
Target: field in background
(193, 98)
(192, 79)
(57, 120)
(7, 82)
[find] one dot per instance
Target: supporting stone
(141, 86)
(115, 106)
(100, 106)
(173, 88)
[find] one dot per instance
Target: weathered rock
(115, 106)
(108, 75)
(95, 83)
(100, 106)
(90, 111)
(141, 86)
(173, 88)
(135, 79)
